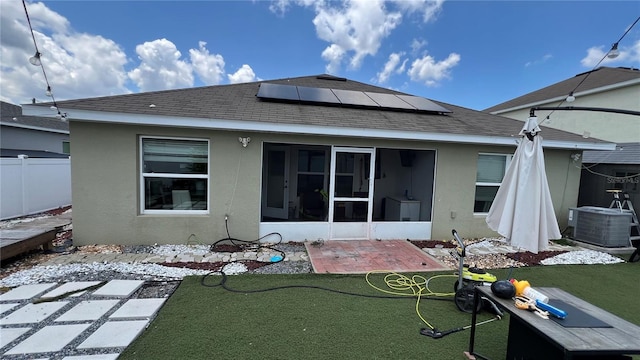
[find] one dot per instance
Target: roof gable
(590, 80)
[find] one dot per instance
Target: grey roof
(625, 153)
(600, 77)
(11, 115)
(238, 102)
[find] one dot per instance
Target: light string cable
(38, 56)
(615, 45)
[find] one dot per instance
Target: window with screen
(174, 175)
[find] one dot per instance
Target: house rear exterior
(302, 159)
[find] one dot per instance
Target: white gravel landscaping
(582, 257)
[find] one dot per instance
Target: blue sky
(469, 53)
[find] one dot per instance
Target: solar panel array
(364, 99)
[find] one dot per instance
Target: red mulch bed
(433, 243)
(526, 257)
(531, 259)
(215, 266)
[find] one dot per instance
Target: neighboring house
(604, 87)
(32, 133)
(34, 162)
(618, 169)
(308, 158)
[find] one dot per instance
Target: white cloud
(544, 59)
(76, 64)
(160, 67)
(391, 66)
(429, 71)
(417, 45)
(333, 54)
(428, 8)
(597, 53)
(244, 74)
(210, 68)
(358, 27)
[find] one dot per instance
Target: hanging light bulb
(614, 52)
(35, 59)
(571, 98)
(48, 92)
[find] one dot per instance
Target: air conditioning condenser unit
(601, 226)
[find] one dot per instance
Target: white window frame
(143, 175)
(507, 162)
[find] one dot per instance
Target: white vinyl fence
(32, 185)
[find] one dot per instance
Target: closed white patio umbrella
(522, 210)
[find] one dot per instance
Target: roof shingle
(238, 102)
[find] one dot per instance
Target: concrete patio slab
(32, 313)
(114, 334)
(122, 288)
(70, 286)
(138, 308)
(25, 292)
(7, 335)
(88, 310)
(49, 338)
(362, 256)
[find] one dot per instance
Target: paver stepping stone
(71, 286)
(7, 335)
(25, 292)
(49, 338)
(6, 307)
(32, 313)
(138, 308)
(88, 310)
(114, 334)
(121, 288)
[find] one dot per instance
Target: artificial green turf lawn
(200, 322)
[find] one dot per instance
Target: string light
(614, 52)
(36, 60)
(611, 54)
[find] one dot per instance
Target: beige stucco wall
(455, 188)
(105, 182)
(618, 128)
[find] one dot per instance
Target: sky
(474, 54)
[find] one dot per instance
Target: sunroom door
(275, 187)
(351, 192)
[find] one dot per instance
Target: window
(175, 175)
(66, 147)
(491, 170)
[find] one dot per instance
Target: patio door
(275, 203)
(351, 192)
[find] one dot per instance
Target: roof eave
(257, 126)
(38, 128)
(558, 99)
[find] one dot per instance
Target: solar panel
(321, 95)
(277, 91)
(357, 98)
(423, 104)
(390, 101)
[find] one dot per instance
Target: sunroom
(315, 192)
